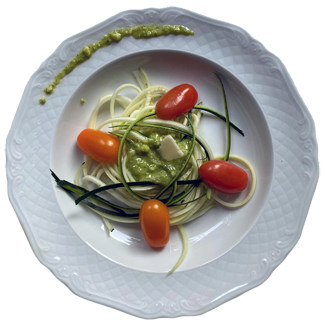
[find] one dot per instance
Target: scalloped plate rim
(230, 295)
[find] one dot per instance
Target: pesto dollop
(146, 164)
(145, 31)
(42, 100)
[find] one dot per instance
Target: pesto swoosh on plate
(138, 32)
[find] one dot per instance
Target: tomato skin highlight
(179, 100)
(223, 176)
(100, 146)
(155, 222)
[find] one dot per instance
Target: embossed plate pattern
(197, 290)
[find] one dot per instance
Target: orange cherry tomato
(223, 176)
(177, 101)
(98, 145)
(155, 222)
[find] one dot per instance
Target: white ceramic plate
(230, 251)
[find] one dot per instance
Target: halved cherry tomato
(98, 145)
(177, 101)
(223, 176)
(155, 222)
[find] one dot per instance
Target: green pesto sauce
(146, 164)
(145, 31)
(42, 100)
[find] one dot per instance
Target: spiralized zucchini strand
(184, 249)
(185, 195)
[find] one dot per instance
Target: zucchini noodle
(185, 202)
(253, 183)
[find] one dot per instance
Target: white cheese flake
(169, 149)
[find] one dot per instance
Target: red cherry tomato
(223, 176)
(155, 222)
(98, 145)
(177, 101)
